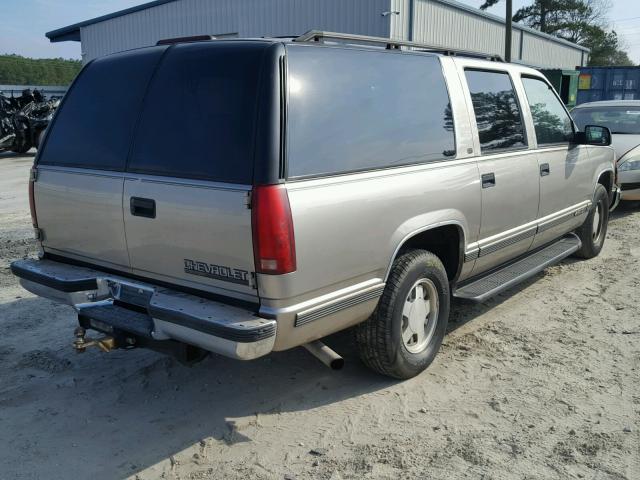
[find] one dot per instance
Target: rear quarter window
(198, 120)
(352, 110)
(95, 124)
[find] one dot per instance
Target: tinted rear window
(94, 126)
(353, 110)
(199, 117)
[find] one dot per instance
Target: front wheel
(405, 332)
(594, 229)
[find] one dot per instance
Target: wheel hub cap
(596, 222)
(420, 315)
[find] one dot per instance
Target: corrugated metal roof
(72, 32)
(495, 18)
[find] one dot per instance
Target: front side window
(550, 119)
(496, 109)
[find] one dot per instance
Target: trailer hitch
(82, 342)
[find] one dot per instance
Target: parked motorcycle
(24, 119)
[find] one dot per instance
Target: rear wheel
(593, 231)
(404, 334)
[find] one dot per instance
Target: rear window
(94, 126)
(199, 116)
(353, 110)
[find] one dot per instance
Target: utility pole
(507, 32)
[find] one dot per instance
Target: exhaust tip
(337, 364)
(323, 353)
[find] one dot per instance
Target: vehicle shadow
(111, 415)
(624, 209)
(465, 311)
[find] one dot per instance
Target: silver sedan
(622, 117)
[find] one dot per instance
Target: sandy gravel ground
(539, 383)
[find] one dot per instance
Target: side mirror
(594, 135)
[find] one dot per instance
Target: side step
(516, 272)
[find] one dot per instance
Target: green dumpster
(566, 84)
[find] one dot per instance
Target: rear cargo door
(186, 193)
(78, 192)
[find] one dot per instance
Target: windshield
(617, 119)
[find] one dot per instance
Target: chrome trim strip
(471, 255)
(494, 247)
(335, 306)
(185, 182)
(505, 239)
(130, 176)
(559, 218)
(81, 171)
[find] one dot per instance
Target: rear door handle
(545, 170)
(143, 207)
(488, 180)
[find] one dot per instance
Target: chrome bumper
(169, 314)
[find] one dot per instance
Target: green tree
(578, 21)
(17, 70)
(605, 48)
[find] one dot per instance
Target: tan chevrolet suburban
(255, 195)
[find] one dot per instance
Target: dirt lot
(542, 382)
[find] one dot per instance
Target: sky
(23, 23)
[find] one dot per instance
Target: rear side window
(496, 109)
(353, 110)
(199, 116)
(550, 120)
(95, 124)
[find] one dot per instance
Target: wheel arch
(446, 240)
(605, 178)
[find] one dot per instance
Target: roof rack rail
(390, 44)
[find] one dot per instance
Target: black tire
(592, 237)
(379, 338)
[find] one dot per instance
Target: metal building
(444, 23)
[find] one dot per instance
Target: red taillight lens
(32, 200)
(274, 246)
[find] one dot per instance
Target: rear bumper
(164, 313)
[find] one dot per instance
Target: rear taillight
(33, 175)
(274, 246)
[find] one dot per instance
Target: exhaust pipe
(323, 353)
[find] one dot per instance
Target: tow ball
(82, 342)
